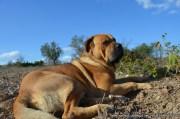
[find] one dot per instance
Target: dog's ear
(89, 44)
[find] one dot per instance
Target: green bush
(155, 60)
(132, 65)
(172, 56)
(26, 64)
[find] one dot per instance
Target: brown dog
(62, 88)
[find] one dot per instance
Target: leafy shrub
(155, 60)
(172, 56)
(26, 64)
(132, 65)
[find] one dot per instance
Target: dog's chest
(104, 80)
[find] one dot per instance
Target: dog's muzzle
(118, 53)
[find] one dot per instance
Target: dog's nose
(118, 45)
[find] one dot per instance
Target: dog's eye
(106, 42)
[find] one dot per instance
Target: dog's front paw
(119, 97)
(144, 86)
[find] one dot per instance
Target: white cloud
(148, 4)
(67, 54)
(161, 5)
(145, 3)
(68, 49)
(66, 58)
(9, 56)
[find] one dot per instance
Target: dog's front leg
(131, 79)
(121, 89)
(73, 111)
(95, 100)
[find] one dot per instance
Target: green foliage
(26, 64)
(132, 65)
(158, 59)
(143, 50)
(157, 50)
(172, 55)
(78, 45)
(19, 61)
(51, 51)
(173, 63)
(36, 63)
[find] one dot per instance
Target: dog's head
(104, 47)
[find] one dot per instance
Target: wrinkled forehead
(103, 37)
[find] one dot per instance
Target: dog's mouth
(117, 55)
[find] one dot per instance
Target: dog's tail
(21, 111)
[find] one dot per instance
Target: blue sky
(26, 24)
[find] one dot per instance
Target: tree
(78, 45)
(51, 51)
(157, 50)
(143, 50)
(19, 61)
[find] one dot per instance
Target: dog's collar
(78, 64)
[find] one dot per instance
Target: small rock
(141, 96)
(164, 91)
(158, 97)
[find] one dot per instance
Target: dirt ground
(161, 102)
